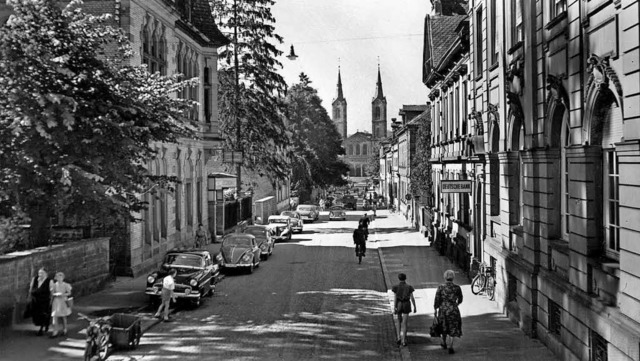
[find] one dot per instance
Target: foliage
(257, 101)
(421, 182)
(372, 168)
(77, 123)
(316, 141)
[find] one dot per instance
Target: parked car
(197, 274)
(280, 227)
(240, 250)
(296, 220)
(308, 212)
(337, 212)
(349, 202)
(263, 239)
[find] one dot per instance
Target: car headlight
(193, 283)
(151, 279)
(247, 257)
(219, 257)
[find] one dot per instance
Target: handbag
(69, 302)
(436, 328)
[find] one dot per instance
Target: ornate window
(154, 46)
(364, 149)
(611, 203)
(478, 42)
(187, 65)
(357, 149)
(557, 8)
(517, 34)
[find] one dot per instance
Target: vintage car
(296, 220)
(197, 274)
(349, 202)
(308, 212)
(263, 239)
(337, 212)
(280, 227)
(239, 250)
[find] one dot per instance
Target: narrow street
(309, 301)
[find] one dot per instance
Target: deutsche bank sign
(455, 186)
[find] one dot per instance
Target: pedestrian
(40, 301)
(201, 236)
(364, 221)
(60, 307)
(321, 204)
(374, 207)
(168, 285)
(360, 240)
(446, 311)
(402, 307)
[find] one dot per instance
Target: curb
(405, 355)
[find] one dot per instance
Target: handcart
(125, 331)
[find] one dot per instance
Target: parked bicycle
(98, 335)
(484, 281)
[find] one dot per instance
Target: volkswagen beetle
(239, 250)
(308, 212)
(263, 239)
(197, 274)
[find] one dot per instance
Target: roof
(414, 108)
(440, 35)
(425, 116)
(202, 18)
(359, 135)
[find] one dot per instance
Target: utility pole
(237, 95)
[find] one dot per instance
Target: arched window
(364, 149)
(153, 46)
(350, 152)
(376, 112)
(357, 149)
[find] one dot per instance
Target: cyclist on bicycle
(360, 240)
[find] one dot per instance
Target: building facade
(172, 37)
(554, 143)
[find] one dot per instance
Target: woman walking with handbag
(60, 290)
(447, 313)
(402, 307)
(40, 301)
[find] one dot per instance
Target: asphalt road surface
(310, 301)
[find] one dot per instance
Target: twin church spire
(378, 108)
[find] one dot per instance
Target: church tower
(339, 107)
(379, 111)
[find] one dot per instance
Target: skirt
(59, 307)
(166, 295)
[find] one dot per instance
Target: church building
(360, 146)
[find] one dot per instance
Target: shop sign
(455, 186)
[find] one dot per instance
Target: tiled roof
(413, 107)
(203, 20)
(443, 35)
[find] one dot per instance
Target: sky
(354, 34)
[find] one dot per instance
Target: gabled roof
(203, 20)
(440, 35)
(359, 135)
(424, 117)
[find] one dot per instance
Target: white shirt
(168, 283)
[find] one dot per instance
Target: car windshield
(278, 220)
(184, 260)
(237, 241)
(305, 208)
(255, 231)
(291, 214)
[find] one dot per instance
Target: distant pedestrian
(321, 204)
(364, 221)
(60, 291)
(448, 297)
(201, 236)
(40, 301)
(167, 295)
(402, 307)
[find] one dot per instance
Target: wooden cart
(125, 331)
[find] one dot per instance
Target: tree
(76, 122)
(251, 110)
(316, 141)
(421, 182)
(372, 168)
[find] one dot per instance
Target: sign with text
(455, 186)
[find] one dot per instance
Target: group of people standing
(49, 303)
(446, 312)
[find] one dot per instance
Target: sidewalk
(125, 295)
(487, 333)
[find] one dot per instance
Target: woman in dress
(402, 307)
(60, 290)
(448, 297)
(40, 301)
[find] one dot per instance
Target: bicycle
(98, 337)
(484, 281)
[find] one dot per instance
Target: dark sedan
(263, 239)
(196, 277)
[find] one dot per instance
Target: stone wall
(85, 264)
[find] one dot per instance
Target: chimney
(437, 7)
